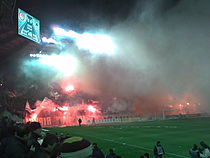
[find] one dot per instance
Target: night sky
(77, 13)
(83, 14)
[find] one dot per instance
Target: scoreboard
(28, 26)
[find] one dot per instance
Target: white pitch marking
(135, 146)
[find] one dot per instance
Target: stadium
(90, 78)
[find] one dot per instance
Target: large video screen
(28, 26)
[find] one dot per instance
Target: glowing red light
(50, 114)
(91, 108)
(34, 117)
(63, 108)
(69, 88)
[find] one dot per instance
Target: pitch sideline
(135, 146)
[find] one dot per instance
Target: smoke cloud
(162, 58)
(163, 52)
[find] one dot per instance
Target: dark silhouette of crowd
(19, 140)
(200, 152)
(27, 140)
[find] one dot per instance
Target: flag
(27, 107)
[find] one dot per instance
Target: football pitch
(131, 140)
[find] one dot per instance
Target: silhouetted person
(47, 147)
(97, 153)
(158, 150)
(93, 121)
(194, 152)
(111, 154)
(6, 127)
(204, 145)
(17, 146)
(204, 151)
(80, 121)
(35, 134)
(146, 155)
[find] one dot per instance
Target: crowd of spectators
(27, 140)
(200, 152)
(19, 140)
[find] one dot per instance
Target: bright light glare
(34, 117)
(64, 63)
(69, 88)
(95, 43)
(72, 34)
(38, 55)
(91, 108)
(63, 108)
(49, 40)
(59, 31)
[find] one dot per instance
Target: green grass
(133, 139)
